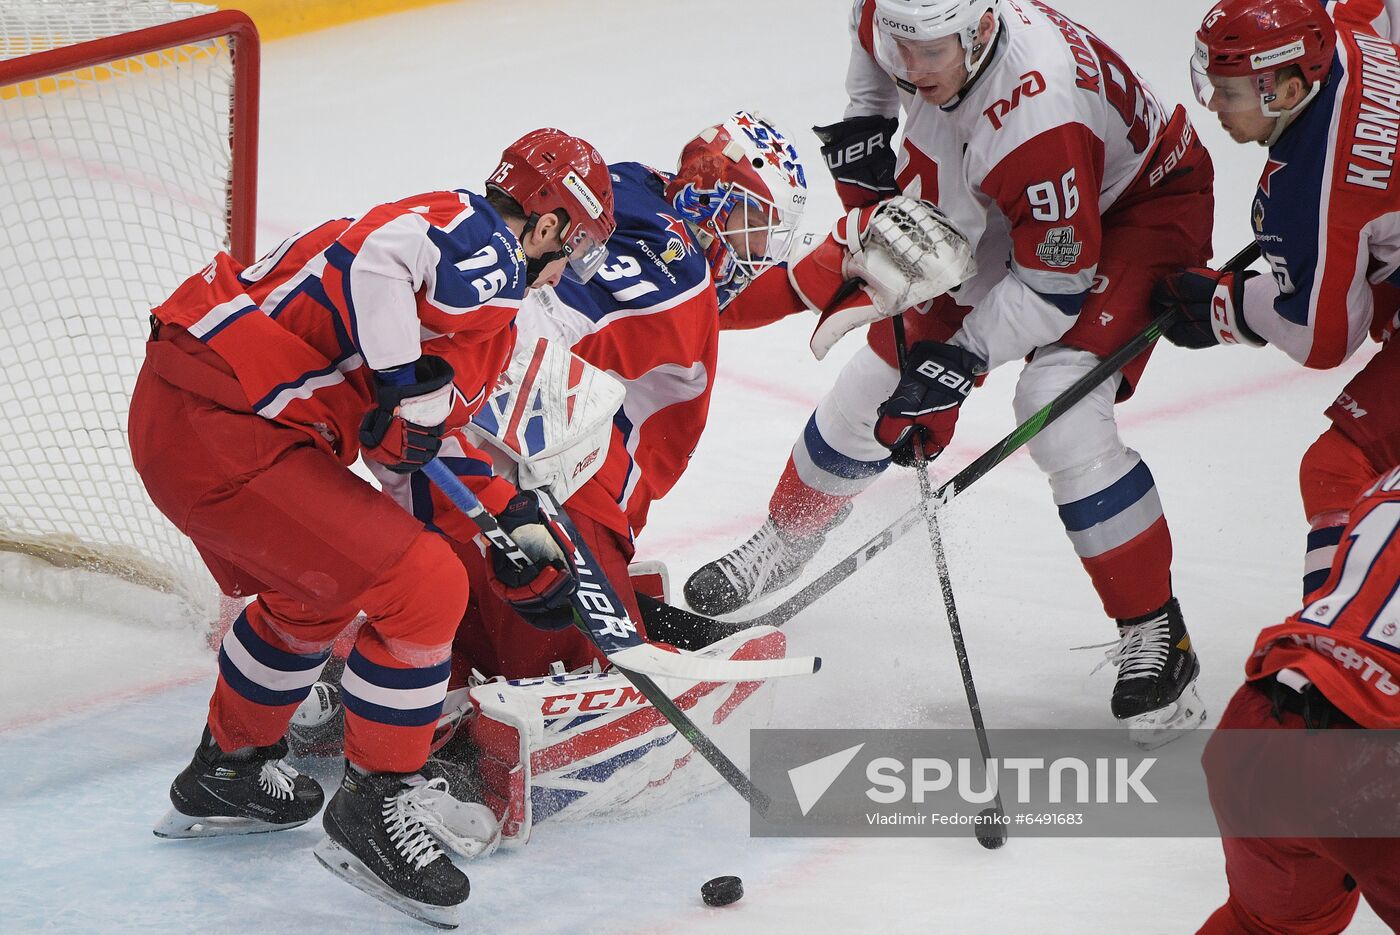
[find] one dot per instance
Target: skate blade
(177, 824)
(1155, 728)
(352, 870)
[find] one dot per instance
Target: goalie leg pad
(588, 744)
(652, 578)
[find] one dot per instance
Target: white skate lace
(1141, 650)
(409, 819)
(760, 557)
(277, 779)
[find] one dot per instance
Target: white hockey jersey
(1051, 134)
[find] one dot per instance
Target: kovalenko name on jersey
(1377, 123)
(1086, 67)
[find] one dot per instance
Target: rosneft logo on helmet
(897, 26)
(1276, 57)
(586, 198)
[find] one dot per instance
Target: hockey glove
(539, 592)
(1209, 307)
(904, 252)
(404, 429)
(925, 404)
(858, 153)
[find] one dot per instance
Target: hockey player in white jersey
(1077, 188)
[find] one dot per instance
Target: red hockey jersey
(1347, 639)
(303, 327)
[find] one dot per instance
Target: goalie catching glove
(1209, 306)
(404, 429)
(925, 404)
(904, 252)
(539, 592)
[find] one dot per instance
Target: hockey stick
(608, 626)
(819, 586)
(945, 582)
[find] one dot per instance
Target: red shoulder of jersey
(1048, 188)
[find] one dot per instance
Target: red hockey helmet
(1254, 39)
(549, 170)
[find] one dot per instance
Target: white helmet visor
(585, 252)
(916, 59)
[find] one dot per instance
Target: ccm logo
(602, 699)
(901, 27)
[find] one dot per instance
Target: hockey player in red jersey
(1334, 664)
(687, 243)
(689, 247)
(377, 336)
(1077, 190)
(1317, 94)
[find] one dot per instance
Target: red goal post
(246, 52)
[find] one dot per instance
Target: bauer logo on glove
(924, 408)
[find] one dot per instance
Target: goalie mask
(742, 187)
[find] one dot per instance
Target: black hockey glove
(859, 155)
(925, 404)
(539, 593)
(404, 429)
(1210, 308)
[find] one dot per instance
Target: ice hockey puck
(991, 833)
(721, 891)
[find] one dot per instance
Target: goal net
(127, 160)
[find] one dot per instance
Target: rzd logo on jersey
(1031, 84)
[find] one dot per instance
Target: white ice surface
(97, 713)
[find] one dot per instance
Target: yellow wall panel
(277, 19)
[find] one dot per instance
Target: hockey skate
(1157, 671)
(379, 839)
(771, 559)
(244, 793)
